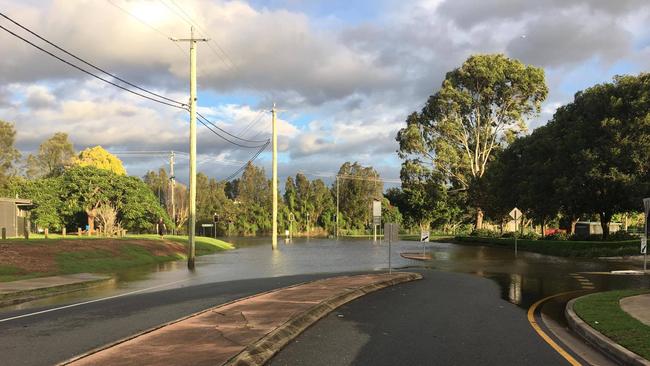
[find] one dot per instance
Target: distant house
(14, 216)
(586, 228)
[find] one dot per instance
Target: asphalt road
(444, 319)
(52, 337)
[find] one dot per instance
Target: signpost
(515, 214)
(376, 217)
(291, 219)
(391, 232)
(646, 231)
(206, 225)
(424, 238)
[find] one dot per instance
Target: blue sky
(345, 74)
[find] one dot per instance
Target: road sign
(207, 225)
(515, 213)
(376, 220)
(391, 232)
(424, 236)
(376, 208)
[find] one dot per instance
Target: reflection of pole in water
(514, 289)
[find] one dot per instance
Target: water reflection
(523, 280)
(514, 293)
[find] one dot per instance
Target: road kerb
(264, 349)
(22, 296)
(600, 341)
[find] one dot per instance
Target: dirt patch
(41, 256)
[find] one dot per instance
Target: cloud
(344, 87)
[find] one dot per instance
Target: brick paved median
(247, 331)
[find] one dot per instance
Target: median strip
(244, 332)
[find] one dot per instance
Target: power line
(145, 24)
(180, 105)
(187, 19)
(233, 175)
(228, 133)
(251, 123)
(225, 138)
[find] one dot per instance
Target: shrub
(559, 236)
(485, 233)
(622, 235)
(531, 235)
(508, 234)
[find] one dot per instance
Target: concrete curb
(600, 341)
(19, 297)
(266, 347)
(154, 328)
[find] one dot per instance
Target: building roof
(19, 201)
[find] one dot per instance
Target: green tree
(358, 187)
(602, 140)
(99, 158)
(480, 107)
(85, 189)
(9, 155)
(54, 154)
(254, 201)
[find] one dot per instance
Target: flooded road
(522, 280)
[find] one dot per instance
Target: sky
(343, 74)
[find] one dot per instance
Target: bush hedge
(559, 248)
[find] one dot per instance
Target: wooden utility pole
(274, 184)
(172, 184)
(191, 252)
(337, 206)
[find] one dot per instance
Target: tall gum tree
(481, 106)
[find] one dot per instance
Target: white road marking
(92, 301)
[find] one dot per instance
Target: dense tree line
(591, 159)
(467, 154)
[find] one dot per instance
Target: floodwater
(523, 279)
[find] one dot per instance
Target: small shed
(586, 228)
(14, 215)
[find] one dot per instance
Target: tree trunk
(604, 223)
(573, 225)
(479, 219)
(543, 225)
(91, 221)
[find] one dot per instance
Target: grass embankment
(31, 258)
(603, 312)
(562, 248)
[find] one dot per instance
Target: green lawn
(565, 248)
(128, 253)
(603, 313)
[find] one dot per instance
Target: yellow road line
(546, 337)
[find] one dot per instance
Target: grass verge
(55, 256)
(568, 248)
(603, 313)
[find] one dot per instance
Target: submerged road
(469, 309)
(443, 319)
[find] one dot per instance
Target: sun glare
(149, 12)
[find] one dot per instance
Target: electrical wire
(233, 175)
(180, 105)
(251, 123)
(228, 133)
(187, 19)
(167, 37)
